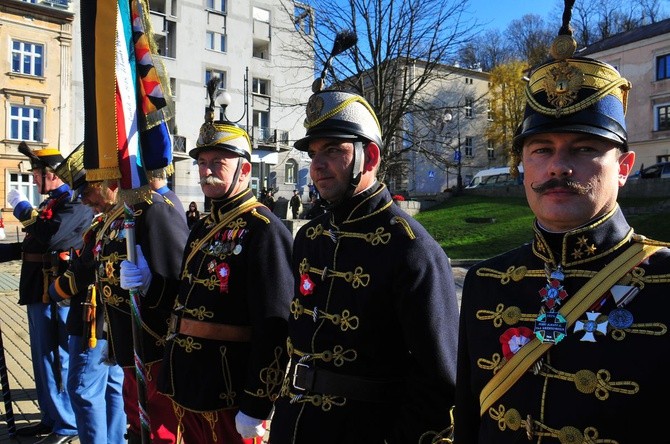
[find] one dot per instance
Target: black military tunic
(56, 226)
(372, 331)
(601, 383)
(161, 231)
(73, 285)
(228, 342)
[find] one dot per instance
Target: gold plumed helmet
(339, 114)
(42, 158)
(71, 170)
(220, 135)
(571, 94)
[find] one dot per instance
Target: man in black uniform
(53, 231)
(564, 339)
(374, 318)
(94, 382)
(225, 356)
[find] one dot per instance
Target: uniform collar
(362, 205)
(221, 206)
(585, 244)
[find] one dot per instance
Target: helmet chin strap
(44, 181)
(238, 171)
(357, 171)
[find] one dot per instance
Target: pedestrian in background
(95, 384)
(564, 339)
(53, 231)
(192, 215)
(374, 317)
(295, 203)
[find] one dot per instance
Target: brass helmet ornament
(339, 114)
(72, 171)
(224, 135)
(573, 95)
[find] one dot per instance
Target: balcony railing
(266, 136)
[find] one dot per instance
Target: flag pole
(136, 320)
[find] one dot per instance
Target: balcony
(270, 138)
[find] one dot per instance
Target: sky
(499, 13)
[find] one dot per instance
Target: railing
(179, 144)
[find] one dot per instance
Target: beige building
(445, 136)
(643, 57)
(36, 85)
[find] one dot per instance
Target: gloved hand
(249, 427)
(136, 275)
(15, 197)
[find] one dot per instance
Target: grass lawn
(513, 224)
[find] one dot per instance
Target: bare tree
(402, 48)
(531, 38)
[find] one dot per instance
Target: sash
(575, 307)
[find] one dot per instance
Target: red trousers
(159, 407)
(217, 426)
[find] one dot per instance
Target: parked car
(661, 169)
(497, 177)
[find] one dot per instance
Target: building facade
(642, 56)
(36, 44)
(250, 44)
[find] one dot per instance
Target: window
(261, 86)
(24, 183)
(25, 123)
(262, 15)
(468, 107)
(663, 67)
(663, 117)
(209, 73)
(261, 123)
(217, 5)
(27, 58)
(215, 41)
(291, 171)
(489, 111)
(468, 81)
(491, 149)
(468, 146)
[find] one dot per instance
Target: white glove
(249, 427)
(136, 275)
(15, 197)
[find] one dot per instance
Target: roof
(624, 38)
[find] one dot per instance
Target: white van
(496, 177)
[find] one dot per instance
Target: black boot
(133, 438)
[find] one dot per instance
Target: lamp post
(225, 99)
(448, 117)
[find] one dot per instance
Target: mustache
(210, 180)
(568, 184)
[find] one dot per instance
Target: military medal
(223, 273)
(591, 326)
(306, 285)
(550, 327)
(620, 318)
(237, 249)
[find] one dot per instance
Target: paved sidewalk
(17, 355)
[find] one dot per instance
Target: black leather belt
(326, 382)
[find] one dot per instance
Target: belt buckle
(295, 375)
(172, 326)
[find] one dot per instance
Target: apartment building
(260, 49)
(36, 44)
(445, 137)
(642, 56)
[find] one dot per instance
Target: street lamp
(225, 99)
(448, 117)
